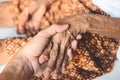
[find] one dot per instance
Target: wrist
(18, 66)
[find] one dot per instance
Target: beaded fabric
(95, 55)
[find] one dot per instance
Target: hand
(33, 49)
(61, 51)
(60, 54)
(79, 23)
(30, 17)
(39, 57)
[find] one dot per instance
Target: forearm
(104, 25)
(19, 68)
(80, 23)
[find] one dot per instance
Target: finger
(63, 45)
(41, 69)
(74, 45)
(70, 54)
(22, 20)
(75, 42)
(43, 58)
(28, 33)
(32, 7)
(65, 62)
(45, 55)
(53, 29)
(51, 62)
(60, 60)
(34, 78)
(54, 75)
(34, 29)
(58, 66)
(37, 29)
(31, 28)
(20, 29)
(25, 15)
(40, 12)
(79, 37)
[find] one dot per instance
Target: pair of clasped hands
(54, 59)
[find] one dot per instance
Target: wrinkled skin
(27, 20)
(79, 23)
(100, 24)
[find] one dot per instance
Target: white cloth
(9, 32)
(3, 0)
(111, 7)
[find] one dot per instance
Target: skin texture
(80, 24)
(26, 19)
(34, 21)
(27, 60)
(23, 71)
(94, 23)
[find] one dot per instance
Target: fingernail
(79, 37)
(74, 45)
(47, 72)
(70, 59)
(55, 75)
(70, 55)
(65, 26)
(63, 70)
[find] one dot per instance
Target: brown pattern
(13, 45)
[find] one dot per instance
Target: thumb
(53, 29)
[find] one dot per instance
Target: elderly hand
(60, 54)
(30, 17)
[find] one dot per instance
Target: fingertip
(28, 33)
(63, 66)
(74, 44)
(43, 58)
(47, 72)
(70, 55)
(21, 29)
(37, 29)
(54, 75)
(79, 36)
(62, 28)
(63, 69)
